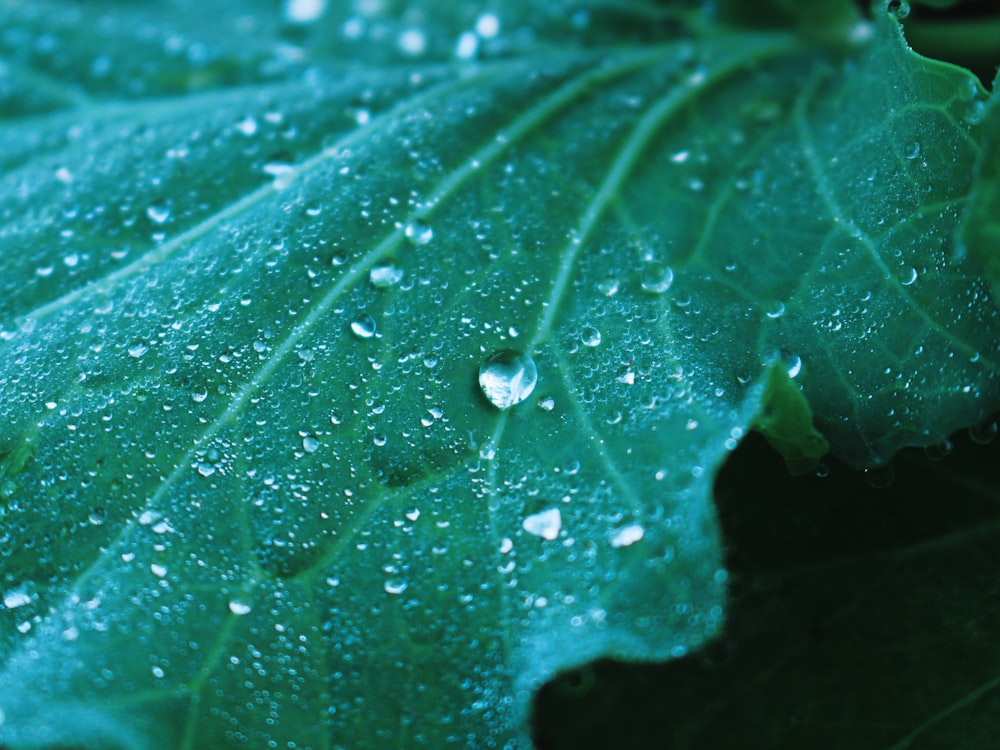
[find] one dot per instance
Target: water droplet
(608, 286)
(627, 535)
(158, 213)
(940, 451)
(507, 377)
(546, 403)
(412, 42)
(911, 150)
(15, 598)
(137, 349)
(384, 275)
(899, 8)
(656, 278)
(974, 112)
(546, 524)
(907, 275)
(247, 126)
(775, 310)
(363, 326)
(487, 26)
(97, 516)
(239, 608)
(590, 336)
(279, 164)
(880, 477)
(466, 46)
(418, 232)
(158, 673)
(791, 361)
(304, 11)
(984, 433)
(310, 444)
(394, 586)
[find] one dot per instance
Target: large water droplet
(507, 377)
(546, 524)
(384, 275)
(363, 326)
(656, 278)
(418, 232)
(16, 598)
(590, 336)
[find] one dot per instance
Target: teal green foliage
(251, 264)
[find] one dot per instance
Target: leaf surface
(252, 490)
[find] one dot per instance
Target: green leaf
(252, 491)
(786, 421)
(980, 230)
(859, 617)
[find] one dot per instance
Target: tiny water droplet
(546, 403)
(304, 11)
(627, 535)
(310, 444)
(775, 310)
(137, 349)
(546, 524)
(279, 164)
(158, 213)
(247, 126)
(912, 150)
(899, 8)
(363, 326)
(418, 232)
(608, 286)
(507, 377)
(907, 275)
(487, 26)
(656, 278)
(385, 275)
(412, 42)
(97, 516)
(239, 608)
(590, 336)
(395, 587)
